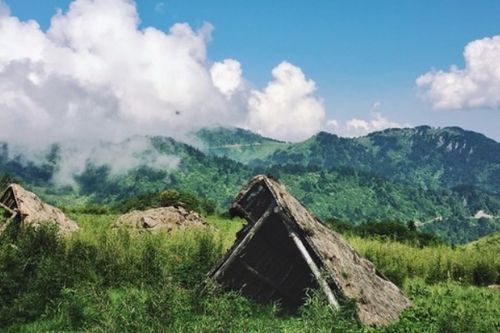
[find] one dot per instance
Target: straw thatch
(160, 219)
(284, 250)
(25, 207)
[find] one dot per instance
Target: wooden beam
(244, 242)
(310, 262)
(12, 212)
(243, 212)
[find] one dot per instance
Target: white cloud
(227, 76)
(95, 76)
(95, 70)
(476, 85)
(286, 109)
(358, 127)
(332, 124)
(95, 73)
(119, 158)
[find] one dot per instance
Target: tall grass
(472, 265)
(100, 280)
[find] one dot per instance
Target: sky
(285, 69)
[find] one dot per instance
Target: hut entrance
(270, 267)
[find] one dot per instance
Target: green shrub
(484, 273)
(32, 266)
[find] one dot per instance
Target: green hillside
(422, 155)
(237, 144)
(335, 177)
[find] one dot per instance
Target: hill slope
(333, 176)
(423, 156)
(237, 144)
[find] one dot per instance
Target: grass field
(100, 280)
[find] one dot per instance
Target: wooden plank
(244, 242)
(310, 262)
(12, 212)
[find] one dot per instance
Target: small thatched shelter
(160, 219)
(284, 250)
(26, 208)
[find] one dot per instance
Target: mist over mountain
(440, 178)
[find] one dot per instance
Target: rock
(164, 219)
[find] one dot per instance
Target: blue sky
(358, 52)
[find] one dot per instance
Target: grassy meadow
(99, 280)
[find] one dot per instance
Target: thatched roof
(27, 208)
(284, 250)
(160, 219)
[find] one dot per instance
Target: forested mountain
(438, 178)
(425, 156)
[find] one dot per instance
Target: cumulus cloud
(477, 85)
(227, 76)
(287, 108)
(95, 76)
(95, 73)
(95, 70)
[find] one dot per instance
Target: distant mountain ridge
(418, 174)
(425, 156)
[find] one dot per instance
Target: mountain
(425, 156)
(373, 178)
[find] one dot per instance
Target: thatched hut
(284, 250)
(26, 208)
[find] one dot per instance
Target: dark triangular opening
(270, 267)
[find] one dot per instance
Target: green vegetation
(103, 281)
(238, 144)
(438, 178)
(167, 198)
(388, 230)
(436, 263)
(424, 156)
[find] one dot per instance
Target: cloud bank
(477, 85)
(95, 74)
(94, 77)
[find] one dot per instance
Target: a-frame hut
(284, 250)
(26, 208)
